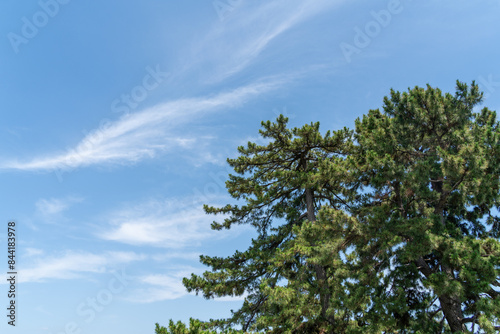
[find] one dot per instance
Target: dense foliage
(389, 228)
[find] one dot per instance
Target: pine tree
(280, 189)
(430, 169)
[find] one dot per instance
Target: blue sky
(118, 117)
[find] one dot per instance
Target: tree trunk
(450, 304)
(452, 309)
(325, 294)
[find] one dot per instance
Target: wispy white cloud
(73, 265)
(161, 287)
(145, 134)
(194, 256)
(227, 49)
(31, 252)
(50, 206)
(169, 223)
(232, 45)
(55, 206)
